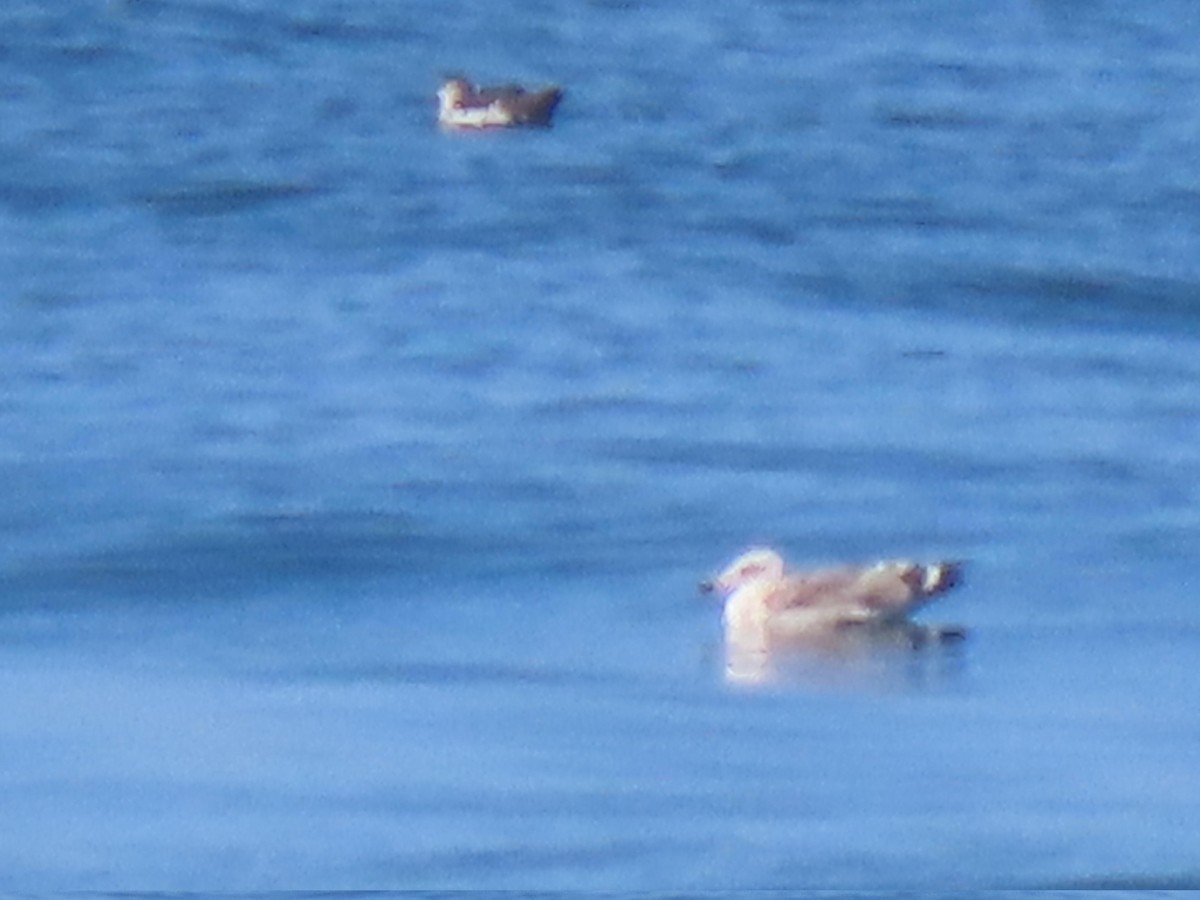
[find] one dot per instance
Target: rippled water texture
(355, 477)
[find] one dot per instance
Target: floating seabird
(462, 105)
(769, 609)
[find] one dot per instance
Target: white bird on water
(461, 105)
(768, 609)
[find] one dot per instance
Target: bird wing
(886, 590)
(503, 92)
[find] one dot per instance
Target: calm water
(356, 477)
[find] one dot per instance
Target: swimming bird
(462, 105)
(768, 608)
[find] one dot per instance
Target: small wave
(40, 198)
(439, 673)
(221, 197)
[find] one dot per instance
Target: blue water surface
(355, 477)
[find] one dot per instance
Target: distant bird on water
(768, 609)
(462, 105)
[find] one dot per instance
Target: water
(357, 477)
